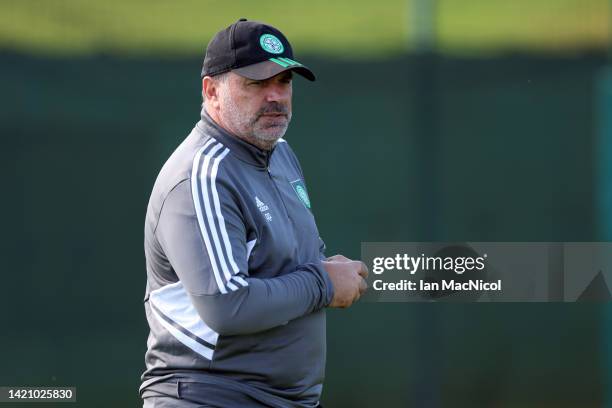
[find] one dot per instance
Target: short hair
(222, 78)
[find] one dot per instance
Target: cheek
(250, 102)
(290, 99)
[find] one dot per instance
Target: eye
(255, 83)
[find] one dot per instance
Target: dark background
(412, 148)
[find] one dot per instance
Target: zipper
(278, 192)
(292, 225)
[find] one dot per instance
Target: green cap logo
(300, 190)
(271, 44)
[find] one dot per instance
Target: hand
(338, 258)
(348, 278)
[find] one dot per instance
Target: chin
(270, 134)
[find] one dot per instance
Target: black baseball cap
(253, 50)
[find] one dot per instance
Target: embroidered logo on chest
(300, 190)
(263, 208)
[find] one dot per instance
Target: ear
(210, 90)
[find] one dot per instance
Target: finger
(363, 286)
(363, 270)
(356, 294)
(355, 298)
(338, 258)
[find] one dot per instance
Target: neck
(267, 146)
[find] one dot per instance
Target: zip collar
(242, 150)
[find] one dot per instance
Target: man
(237, 282)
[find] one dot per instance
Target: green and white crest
(271, 44)
(300, 190)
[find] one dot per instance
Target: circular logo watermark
(271, 44)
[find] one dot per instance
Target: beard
(264, 127)
(271, 122)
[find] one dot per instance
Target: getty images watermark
(413, 264)
(488, 272)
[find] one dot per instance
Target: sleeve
(322, 248)
(202, 233)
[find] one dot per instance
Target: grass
(338, 27)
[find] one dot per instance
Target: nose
(278, 91)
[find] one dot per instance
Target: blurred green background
(431, 120)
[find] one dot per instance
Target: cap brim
(274, 66)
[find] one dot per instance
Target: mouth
(274, 118)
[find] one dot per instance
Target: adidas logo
(262, 207)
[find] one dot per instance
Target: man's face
(258, 111)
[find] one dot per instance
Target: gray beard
(250, 129)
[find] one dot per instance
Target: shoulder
(283, 145)
(286, 154)
(213, 168)
(284, 149)
(176, 170)
(208, 159)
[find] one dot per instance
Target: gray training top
(236, 289)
